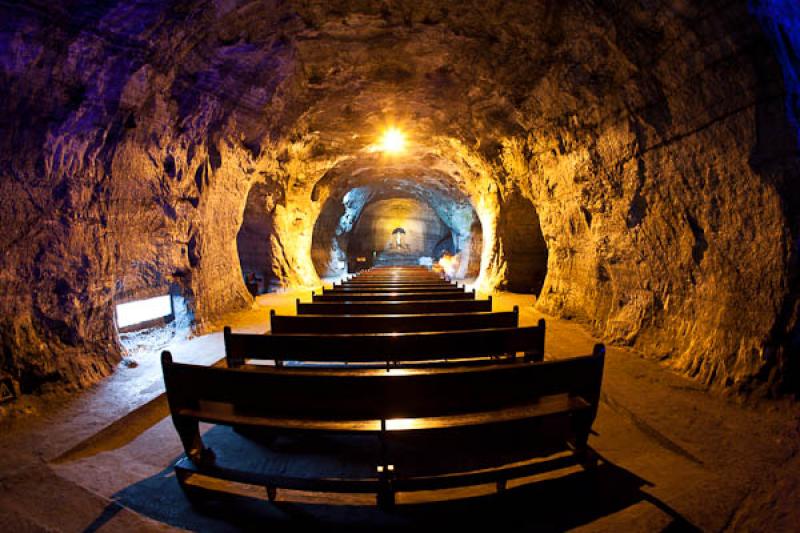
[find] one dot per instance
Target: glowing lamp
(393, 141)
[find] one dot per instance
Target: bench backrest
(385, 347)
(380, 394)
(394, 288)
(393, 308)
(390, 296)
(393, 323)
(395, 283)
(399, 277)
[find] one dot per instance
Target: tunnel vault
(660, 187)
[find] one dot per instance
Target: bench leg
(582, 425)
(588, 458)
(502, 485)
(272, 493)
(386, 500)
(385, 497)
(189, 431)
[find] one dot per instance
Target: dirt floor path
(676, 457)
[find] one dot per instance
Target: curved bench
(553, 403)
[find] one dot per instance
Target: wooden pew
(391, 323)
(430, 276)
(393, 308)
(390, 286)
(543, 410)
(393, 279)
(442, 283)
(390, 296)
(412, 271)
(393, 288)
(385, 347)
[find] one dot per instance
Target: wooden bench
(397, 271)
(393, 308)
(413, 286)
(417, 282)
(429, 276)
(385, 347)
(436, 281)
(391, 323)
(393, 288)
(544, 411)
(390, 296)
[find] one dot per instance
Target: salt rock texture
(650, 138)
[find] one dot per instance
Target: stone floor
(675, 457)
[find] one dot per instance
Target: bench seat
(362, 479)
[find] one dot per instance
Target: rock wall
(651, 139)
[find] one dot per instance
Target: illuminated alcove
(397, 222)
(253, 240)
(148, 320)
(524, 245)
(397, 231)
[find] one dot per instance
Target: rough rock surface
(651, 138)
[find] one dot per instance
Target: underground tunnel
(579, 219)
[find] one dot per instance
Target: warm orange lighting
(449, 264)
(400, 424)
(393, 141)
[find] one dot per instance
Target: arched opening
(253, 240)
(396, 222)
(396, 231)
(523, 245)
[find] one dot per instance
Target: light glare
(131, 313)
(393, 141)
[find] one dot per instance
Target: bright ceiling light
(393, 141)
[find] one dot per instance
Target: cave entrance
(523, 244)
(253, 241)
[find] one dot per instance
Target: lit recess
(393, 141)
(131, 313)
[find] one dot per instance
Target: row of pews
(453, 393)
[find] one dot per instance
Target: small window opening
(147, 326)
(140, 314)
